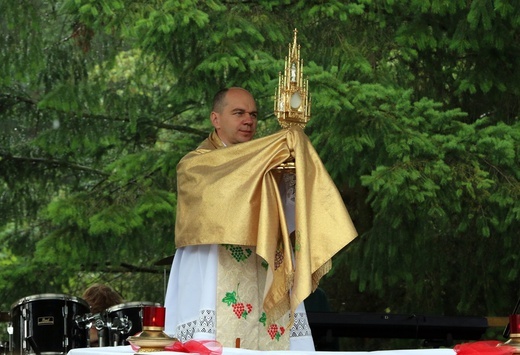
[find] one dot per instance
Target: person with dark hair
(99, 297)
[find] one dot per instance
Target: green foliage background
(415, 115)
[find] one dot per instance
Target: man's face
(237, 121)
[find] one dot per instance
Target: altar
(127, 350)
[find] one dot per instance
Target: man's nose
(249, 119)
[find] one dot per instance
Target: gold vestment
(231, 196)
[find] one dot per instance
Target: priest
(251, 243)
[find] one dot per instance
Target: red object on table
(514, 323)
(484, 347)
(154, 316)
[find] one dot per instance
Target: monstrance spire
(292, 104)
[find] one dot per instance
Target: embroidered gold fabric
(230, 196)
(241, 278)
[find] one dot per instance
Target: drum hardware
(65, 313)
(124, 320)
(114, 325)
(28, 339)
(32, 343)
(86, 321)
(4, 348)
(89, 321)
(99, 325)
(118, 327)
(26, 332)
(10, 332)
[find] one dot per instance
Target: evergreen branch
(186, 129)
(135, 268)
(4, 97)
(498, 170)
(18, 98)
(51, 162)
(121, 268)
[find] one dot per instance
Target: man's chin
(246, 137)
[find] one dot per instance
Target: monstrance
(292, 103)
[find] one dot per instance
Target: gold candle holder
(152, 338)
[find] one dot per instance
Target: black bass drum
(47, 324)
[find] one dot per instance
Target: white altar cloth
(127, 350)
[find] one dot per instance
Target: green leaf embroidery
(231, 298)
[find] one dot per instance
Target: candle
(153, 316)
(514, 323)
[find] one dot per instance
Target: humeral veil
(241, 205)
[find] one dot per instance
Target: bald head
(234, 115)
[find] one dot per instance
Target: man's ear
(214, 120)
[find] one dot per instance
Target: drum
(46, 324)
(124, 320)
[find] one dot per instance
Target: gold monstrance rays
(292, 104)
